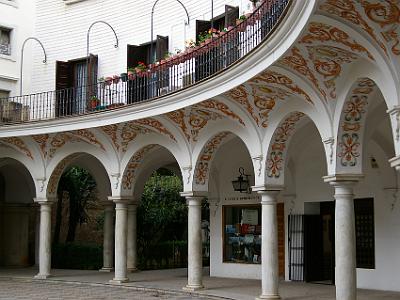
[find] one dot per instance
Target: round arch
(350, 123)
(279, 143)
(137, 152)
(87, 161)
(206, 149)
(18, 175)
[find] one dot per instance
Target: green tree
(79, 187)
(162, 213)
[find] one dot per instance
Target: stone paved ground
(39, 290)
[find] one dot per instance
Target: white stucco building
(302, 96)
(16, 24)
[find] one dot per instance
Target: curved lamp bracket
(88, 35)
(22, 59)
(152, 20)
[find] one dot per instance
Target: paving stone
(35, 290)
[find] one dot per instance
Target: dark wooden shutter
(134, 55)
(161, 50)
(64, 78)
(92, 78)
(202, 26)
(93, 66)
(64, 83)
(231, 14)
(137, 90)
(161, 47)
(231, 49)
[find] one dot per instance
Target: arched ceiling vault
(342, 40)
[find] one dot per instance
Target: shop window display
(242, 234)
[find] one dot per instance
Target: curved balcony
(169, 76)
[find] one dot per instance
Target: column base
(268, 297)
(133, 270)
(106, 270)
(42, 276)
(192, 288)
(119, 281)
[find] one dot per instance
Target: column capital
(264, 189)
(343, 179)
(133, 202)
(120, 199)
(106, 203)
(394, 110)
(395, 162)
(194, 194)
(45, 201)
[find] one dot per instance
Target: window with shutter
(161, 47)
(144, 88)
(231, 14)
(135, 54)
(4, 94)
(231, 51)
(222, 55)
(5, 41)
(73, 86)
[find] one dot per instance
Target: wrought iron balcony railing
(196, 64)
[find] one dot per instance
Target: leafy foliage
(77, 256)
(79, 187)
(162, 213)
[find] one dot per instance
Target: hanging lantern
(242, 183)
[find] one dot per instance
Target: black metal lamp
(242, 183)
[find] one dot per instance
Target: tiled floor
(161, 284)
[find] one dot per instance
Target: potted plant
(140, 67)
(115, 79)
(101, 81)
(131, 73)
(94, 102)
(124, 77)
(255, 3)
(108, 80)
(239, 23)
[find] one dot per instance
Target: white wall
(62, 28)
(310, 166)
(228, 159)
(304, 184)
(19, 15)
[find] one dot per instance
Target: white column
(269, 246)
(345, 237)
(45, 238)
(37, 235)
(345, 242)
(132, 236)
(195, 257)
(108, 237)
(121, 222)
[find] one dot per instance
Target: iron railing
(170, 75)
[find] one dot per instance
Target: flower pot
(108, 80)
(131, 76)
(115, 79)
(124, 77)
(93, 103)
(240, 25)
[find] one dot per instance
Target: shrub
(77, 256)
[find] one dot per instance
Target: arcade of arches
(319, 125)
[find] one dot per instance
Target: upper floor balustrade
(197, 63)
